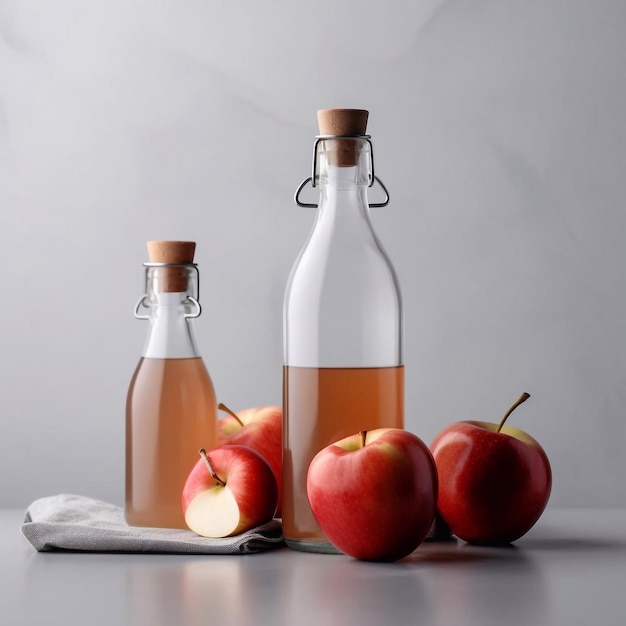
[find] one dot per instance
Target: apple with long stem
(494, 480)
(260, 429)
(231, 489)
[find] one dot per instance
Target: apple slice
(229, 491)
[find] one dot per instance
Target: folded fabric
(71, 522)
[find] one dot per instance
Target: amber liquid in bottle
(171, 413)
(321, 406)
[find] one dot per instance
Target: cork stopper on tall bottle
(347, 122)
(172, 279)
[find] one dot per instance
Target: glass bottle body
(342, 337)
(171, 410)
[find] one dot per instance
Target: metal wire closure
(196, 312)
(313, 178)
(143, 301)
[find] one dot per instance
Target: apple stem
(363, 434)
(519, 401)
(223, 407)
(212, 471)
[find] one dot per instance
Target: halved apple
(230, 490)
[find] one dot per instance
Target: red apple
(230, 490)
(260, 429)
(374, 494)
(494, 480)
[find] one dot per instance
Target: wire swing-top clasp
(313, 179)
(194, 300)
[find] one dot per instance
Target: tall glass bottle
(171, 409)
(343, 368)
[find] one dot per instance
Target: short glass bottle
(171, 408)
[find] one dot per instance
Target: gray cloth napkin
(70, 522)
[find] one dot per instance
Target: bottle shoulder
(361, 262)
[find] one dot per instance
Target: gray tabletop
(569, 569)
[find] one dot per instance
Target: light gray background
(499, 128)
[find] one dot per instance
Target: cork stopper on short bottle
(172, 279)
(350, 122)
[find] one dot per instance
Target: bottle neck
(170, 335)
(343, 179)
(345, 170)
(343, 203)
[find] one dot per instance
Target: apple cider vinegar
(170, 416)
(323, 405)
(342, 321)
(171, 409)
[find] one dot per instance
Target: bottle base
(319, 547)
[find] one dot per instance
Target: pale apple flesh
(225, 518)
(230, 491)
